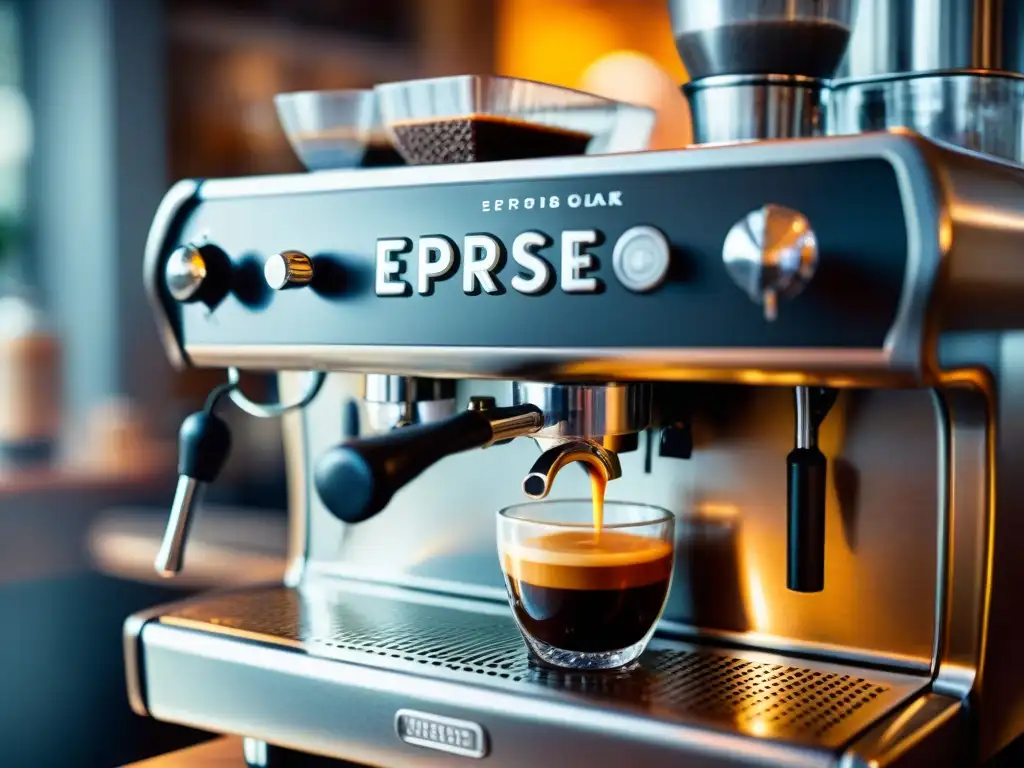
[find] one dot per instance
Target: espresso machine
(802, 337)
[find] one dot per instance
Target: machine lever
(356, 480)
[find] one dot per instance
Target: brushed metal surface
(928, 730)
(928, 35)
(737, 108)
(228, 661)
(980, 111)
(999, 688)
(962, 614)
(587, 411)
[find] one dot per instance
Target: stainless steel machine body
(896, 282)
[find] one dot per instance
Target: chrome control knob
(288, 269)
(771, 253)
(186, 273)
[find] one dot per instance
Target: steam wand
(204, 442)
(806, 491)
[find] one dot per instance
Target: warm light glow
(758, 727)
(709, 510)
(757, 600)
(772, 377)
(636, 78)
(556, 42)
(987, 217)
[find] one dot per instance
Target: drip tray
(385, 649)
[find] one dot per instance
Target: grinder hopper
(758, 67)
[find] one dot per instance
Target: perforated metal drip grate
(763, 699)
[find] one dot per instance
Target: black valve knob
(204, 442)
(676, 441)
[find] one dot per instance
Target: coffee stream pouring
(802, 347)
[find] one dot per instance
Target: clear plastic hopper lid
(335, 129)
(474, 118)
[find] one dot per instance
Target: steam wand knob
(807, 475)
(204, 442)
(771, 253)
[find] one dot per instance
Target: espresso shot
(579, 591)
(586, 597)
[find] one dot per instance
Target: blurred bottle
(30, 383)
(119, 443)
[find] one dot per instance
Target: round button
(289, 269)
(185, 273)
(641, 259)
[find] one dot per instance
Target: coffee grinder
(804, 345)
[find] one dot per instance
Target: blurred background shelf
(116, 99)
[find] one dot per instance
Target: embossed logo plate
(457, 737)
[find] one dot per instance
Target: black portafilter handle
(357, 479)
(806, 488)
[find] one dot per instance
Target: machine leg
(259, 754)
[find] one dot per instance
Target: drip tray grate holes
(756, 697)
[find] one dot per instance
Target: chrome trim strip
(134, 660)
(943, 418)
(175, 201)
(298, 474)
(966, 580)
(135, 678)
(616, 363)
(925, 250)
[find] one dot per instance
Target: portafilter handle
(357, 480)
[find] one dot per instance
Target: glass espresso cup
(583, 598)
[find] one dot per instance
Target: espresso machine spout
(596, 458)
